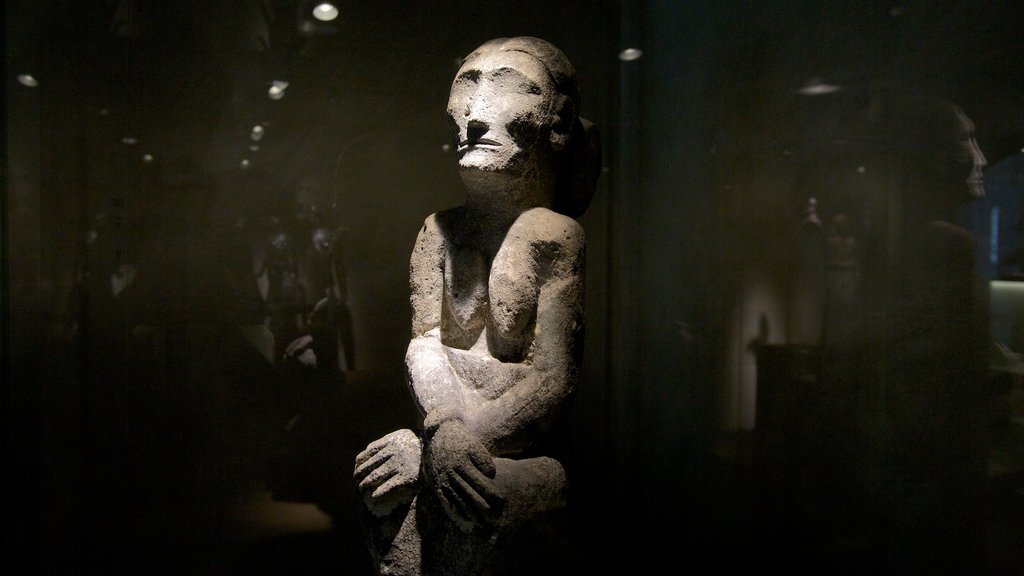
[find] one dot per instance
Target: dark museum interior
(804, 279)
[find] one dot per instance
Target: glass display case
(804, 278)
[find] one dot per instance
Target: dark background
(136, 427)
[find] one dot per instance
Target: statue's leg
(531, 487)
(533, 533)
(419, 539)
(534, 492)
(394, 540)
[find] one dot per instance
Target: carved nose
(475, 130)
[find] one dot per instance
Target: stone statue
(497, 325)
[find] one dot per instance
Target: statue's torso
(490, 300)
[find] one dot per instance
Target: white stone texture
(497, 289)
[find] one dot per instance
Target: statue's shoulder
(544, 225)
(443, 221)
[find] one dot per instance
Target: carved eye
(531, 88)
(470, 76)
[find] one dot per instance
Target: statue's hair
(581, 156)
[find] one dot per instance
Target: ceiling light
(28, 80)
(147, 158)
(276, 91)
(630, 54)
(325, 12)
(130, 140)
(257, 133)
(816, 87)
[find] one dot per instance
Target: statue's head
(937, 140)
(513, 104)
(514, 109)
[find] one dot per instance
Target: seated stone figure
(497, 301)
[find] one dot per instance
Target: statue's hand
(461, 470)
(388, 471)
(300, 353)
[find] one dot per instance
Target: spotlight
(277, 89)
(630, 54)
(325, 12)
(816, 87)
(28, 80)
(317, 17)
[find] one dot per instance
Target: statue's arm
(388, 470)
(431, 379)
(545, 382)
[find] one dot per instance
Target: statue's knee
(530, 486)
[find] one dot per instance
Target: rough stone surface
(497, 300)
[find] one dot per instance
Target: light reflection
(28, 80)
(630, 54)
(130, 140)
(325, 12)
(816, 87)
(276, 91)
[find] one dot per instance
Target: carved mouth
(479, 142)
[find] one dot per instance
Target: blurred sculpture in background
(924, 350)
(286, 297)
(308, 314)
(497, 299)
(307, 286)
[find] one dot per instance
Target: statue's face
(970, 157)
(500, 109)
(322, 240)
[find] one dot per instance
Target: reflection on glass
(28, 80)
(325, 12)
(630, 54)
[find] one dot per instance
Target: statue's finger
(394, 483)
(482, 486)
(484, 462)
(479, 507)
(455, 505)
(373, 447)
(371, 464)
(376, 478)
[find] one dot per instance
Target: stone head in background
(497, 325)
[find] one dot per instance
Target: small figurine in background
(286, 298)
